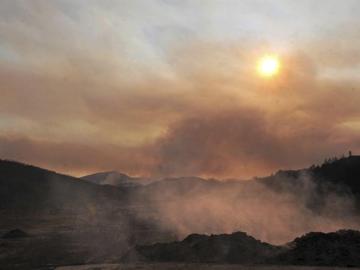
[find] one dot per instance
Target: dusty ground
(174, 266)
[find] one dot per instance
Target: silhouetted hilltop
(24, 186)
(71, 221)
(340, 176)
(341, 248)
(83, 221)
(225, 248)
(113, 178)
(343, 172)
(29, 188)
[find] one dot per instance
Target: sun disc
(268, 66)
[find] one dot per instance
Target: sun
(269, 66)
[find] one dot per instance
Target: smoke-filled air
(193, 131)
(176, 88)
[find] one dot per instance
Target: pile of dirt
(14, 234)
(225, 248)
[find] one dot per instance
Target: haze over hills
(212, 132)
(341, 248)
(25, 186)
(100, 222)
(68, 220)
(114, 178)
(342, 174)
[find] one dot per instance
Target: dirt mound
(341, 248)
(13, 234)
(225, 248)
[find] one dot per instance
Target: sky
(169, 88)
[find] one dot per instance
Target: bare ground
(179, 266)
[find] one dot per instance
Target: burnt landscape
(179, 134)
(49, 219)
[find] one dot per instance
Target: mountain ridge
(65, 212)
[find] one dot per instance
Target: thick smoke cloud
(238, 143)
(235, 125)
(85, 100)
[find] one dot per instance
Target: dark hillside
(341, 248)
(343, 172)
(337, 176)
(29, 188)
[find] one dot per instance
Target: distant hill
(344, 172)
(342, 175)
(337, 175)
(24, 186)
(68, 220)
(114, 178)
(341, 248)
(87, 219)
(28, 188)
(225, 248)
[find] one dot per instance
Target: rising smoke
(276, 215)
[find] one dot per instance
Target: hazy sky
(170, 87)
